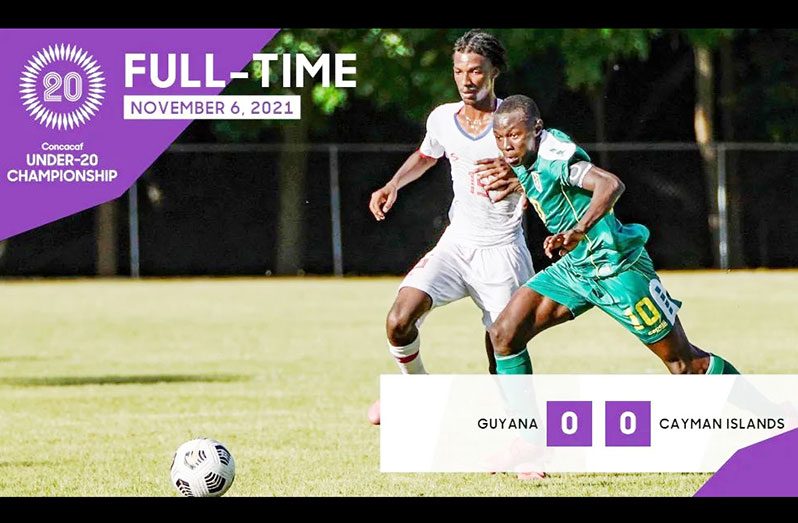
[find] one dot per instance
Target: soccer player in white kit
(482, 253)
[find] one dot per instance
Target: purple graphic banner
(66, 145)
(766, 468)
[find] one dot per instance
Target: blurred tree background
(598, 85)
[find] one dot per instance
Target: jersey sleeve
(571, 171)
(431, 146)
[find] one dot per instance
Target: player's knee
(501, 337)
(679, 355)
(676, 367)
(399, 327)
(679, 362)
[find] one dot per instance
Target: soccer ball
(203, 468)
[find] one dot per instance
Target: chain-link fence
(214, 209)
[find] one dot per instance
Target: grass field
(101, 380)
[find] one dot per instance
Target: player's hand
(496, 175)
(563, 242)
(382, 200)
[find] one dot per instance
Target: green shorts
(635, 297)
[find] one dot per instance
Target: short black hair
(523, 104)
(484, 44)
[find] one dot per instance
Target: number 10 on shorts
(626, 423)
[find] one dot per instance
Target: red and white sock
(408, 357)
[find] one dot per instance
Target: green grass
(101, 380)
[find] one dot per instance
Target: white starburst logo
(62, 87)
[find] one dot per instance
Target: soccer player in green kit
(603, 262)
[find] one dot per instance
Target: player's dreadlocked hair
(482, 43)
(524, 104)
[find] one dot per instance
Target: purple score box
(569, 423)
(627, 424)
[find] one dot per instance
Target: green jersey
(554, 189)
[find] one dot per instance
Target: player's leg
(546, 300)
(678, 355)
(528, 314)
(490, 353)
(637, 299)
(682, 357)
(403, 340)
(434, 281)
(674, 349)
(492, 276)
(402, 330)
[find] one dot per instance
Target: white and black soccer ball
(203, 468)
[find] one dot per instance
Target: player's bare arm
(496, 175)
(606, 189)
(383, 199)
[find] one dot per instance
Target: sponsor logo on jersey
(536, 181)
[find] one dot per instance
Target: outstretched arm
(606, 189)
(496, 175)
(383, 199)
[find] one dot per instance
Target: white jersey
(474, 219)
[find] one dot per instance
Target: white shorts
(490, 275)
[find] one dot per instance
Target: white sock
(408, 357)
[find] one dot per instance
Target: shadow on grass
(143, 379)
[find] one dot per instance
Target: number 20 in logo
(62, 87)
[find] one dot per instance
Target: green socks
(514, 364)
(718, 365)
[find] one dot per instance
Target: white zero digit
(569, 428)
(73, 86)
(628, 423)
